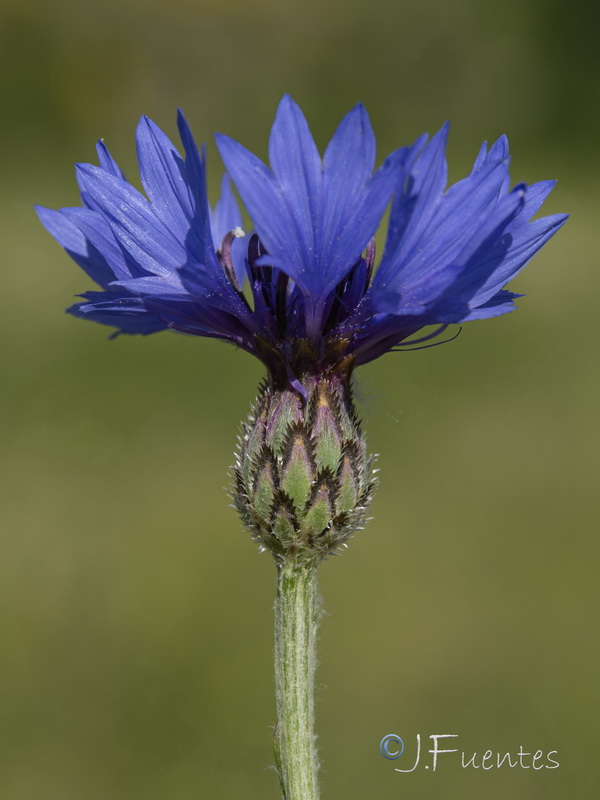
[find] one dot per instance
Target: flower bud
(303, 479)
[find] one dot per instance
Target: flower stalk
(296, 620)
(303, 481)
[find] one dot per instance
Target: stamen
(226, 260)
(370, 259)
(272, 283)
(429, 336)
(408, 349)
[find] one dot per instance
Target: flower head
(303, 292)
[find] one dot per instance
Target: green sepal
(348, 485)
(283, 522)
(319, 512)
(264, 484)
(326, 435)
(285, 414)
(298, 471)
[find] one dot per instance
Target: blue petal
(501, 303)
(191, 315)
(414, 208)
(353, 200)
(264, 203)
(134, 223)
(199, 240)
(149, 285)
(221, 299)
(107, 162)
(162, 175)
(430, 264)
(100, 236)
(121, 311)
(535, 195)
(89, 257)
(519, 251)
(484, 252)
(459, 217)
(481, 156)
(350, 155)
(403, 201)
(414, 298)
(296, 163)
(499, 150)
(203, 273)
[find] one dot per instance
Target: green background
(136, 615)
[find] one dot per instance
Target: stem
(296, 618)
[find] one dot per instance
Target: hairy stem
(296, 618)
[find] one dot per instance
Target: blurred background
(136, 615)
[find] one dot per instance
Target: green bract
(303, 479)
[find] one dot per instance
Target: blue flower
(302, 292)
